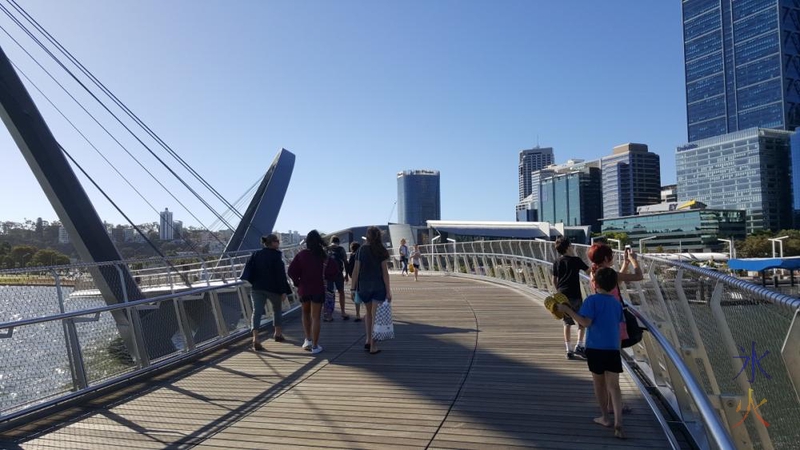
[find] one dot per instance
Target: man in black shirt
(566, 279)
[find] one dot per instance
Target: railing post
(73, 346)
(219, 319)
(691, 354)
(729, 344)
(142, 358)
(244, 301)
(169, 277)
(791, 353)
(183, 324)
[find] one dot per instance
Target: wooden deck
(473, 366)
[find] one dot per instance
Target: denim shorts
(369, 296)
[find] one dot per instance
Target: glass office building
(631, 178)
(742, 65)
(748, 170)
(694, 230)
(418, 197)
(572, 197)
(532, 160)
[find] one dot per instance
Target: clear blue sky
(359, 91)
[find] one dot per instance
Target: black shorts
(314, 298)
(601, 361)
(336, 285)
(575, 304)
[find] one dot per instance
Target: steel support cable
(121, 104)
(240, 202)
(135, 136)
(104, 128)
(119, 210)
(24, 75)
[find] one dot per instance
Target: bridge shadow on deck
(473, 365)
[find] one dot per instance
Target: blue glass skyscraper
(418, 198)
(742, 62)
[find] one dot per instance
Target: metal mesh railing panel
(35, 367)
(201, 324)
(102, 348)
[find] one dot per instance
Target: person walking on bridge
(309, 271)
(403, 257)
(338, 253)
(268, 277)
(371, 280)
(566, 279)
(351, 264)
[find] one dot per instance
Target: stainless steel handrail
(707, 412)
(790, 303)
(115, 307)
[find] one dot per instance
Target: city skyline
(426, 91)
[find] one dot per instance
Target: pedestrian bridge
(473, 365)
(477, 362)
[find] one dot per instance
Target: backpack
(340, 256)
(635, 332)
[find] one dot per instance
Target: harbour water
(34, 365)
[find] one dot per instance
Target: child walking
(602, 314)
(566, 279)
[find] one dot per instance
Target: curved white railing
(704, 325)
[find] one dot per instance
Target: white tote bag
(383, 328)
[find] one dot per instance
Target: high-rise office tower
(742, 63)
(531, 160)
(418, 198)
(747, 170)
(166, 231)
(571, 194)
(631, 178)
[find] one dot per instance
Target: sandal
(345, 317)
(257, 347)
(357, 319)
(618, 433)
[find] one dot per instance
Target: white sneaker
(307, 344)
(317, 349)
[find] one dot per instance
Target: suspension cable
(32, 83)
(121, 104)
(138, 230)
(139, 163)
(71, 74)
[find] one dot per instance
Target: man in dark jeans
(566, 279)
(338, 253)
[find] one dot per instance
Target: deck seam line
(466, 374)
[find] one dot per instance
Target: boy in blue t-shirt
(601, 314)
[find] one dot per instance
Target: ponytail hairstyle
(375, 245)
(316, 245)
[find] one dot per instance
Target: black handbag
(635, 332)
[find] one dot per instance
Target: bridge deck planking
(519, 390)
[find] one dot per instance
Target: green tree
(622, 237)
(48, 257)
(21, 255)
